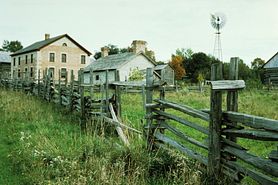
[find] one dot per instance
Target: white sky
(251, 30)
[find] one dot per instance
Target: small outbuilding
(270, 69)
(5, 64)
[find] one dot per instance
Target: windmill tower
(218, 21)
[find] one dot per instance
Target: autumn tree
(177, 64)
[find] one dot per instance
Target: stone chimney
(46, 36)
(139, 46)
(104, 51)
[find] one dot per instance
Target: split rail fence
(223, 152)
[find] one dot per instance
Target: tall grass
(47, 146)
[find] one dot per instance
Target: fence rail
(224, 153)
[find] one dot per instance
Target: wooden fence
(224, 154)
(78, 97)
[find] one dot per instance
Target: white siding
(101, 75)
(139, 62)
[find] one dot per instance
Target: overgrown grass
(45, 145)
(41, 143)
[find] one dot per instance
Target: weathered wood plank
(257, 176)
(118, 129)
(263, 164)
(185, 109)
(184, 136)
(232, 143)
(173, 143)
(227, 84)
(252, 134)
(252, 121)
(182, 121)
(117, 123)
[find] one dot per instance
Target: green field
(42, 143)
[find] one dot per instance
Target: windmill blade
(218, 20)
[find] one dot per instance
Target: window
(26, 72)
(18, 73)
(83, 59)
(97, 77)
(51, 72)
(14, 61)
(63, 72)
(19, 61)
(65, 44)
(51, 57)
(32, 60)
(64, 58)
(31, 72)
(26, 59)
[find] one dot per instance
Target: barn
(270, 69)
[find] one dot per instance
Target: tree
(136, 75)
(177, 64)
(197, 65)
(11, 46)
(113, 49)
(257, 63)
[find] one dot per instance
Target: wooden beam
(118, 128)
(184, 136)
(227, 84)
(182, 121)
(185, 109)
(187, 151)
(252, 134)
(252, 121)
(263, 164)
(257, 176)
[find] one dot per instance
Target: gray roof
(160, 66)
(39, 45)
(272, 62)
(5, 57)
(111, 61)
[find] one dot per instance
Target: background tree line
(195, 67)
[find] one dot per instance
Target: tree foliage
(197, 65)
(11, 46)
(136, 75)
(177, 64)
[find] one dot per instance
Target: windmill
(218, 21)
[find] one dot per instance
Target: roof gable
(41, 44)
(272, 62)
(114, 61)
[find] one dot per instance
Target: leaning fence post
(215, 126)
(71, 90)
(149, 99)
(39, 82)
(91, 83)
(60, 90)
(143, 97)
(106, 91)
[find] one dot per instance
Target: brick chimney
(139, 46)
(104, 51)
(46, 36)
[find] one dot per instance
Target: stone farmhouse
(125, 63)
(271, 70)
(52, 54)
(5, 64)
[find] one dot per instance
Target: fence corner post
(215, 127)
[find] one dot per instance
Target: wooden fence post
(215, 127)
(149, 99)
(91, 83)
(71, 90)
(82, 102)
(232, 96)
(60, 89)
(106, 91)
(118, 95)
(39, 82)
(143, 97)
